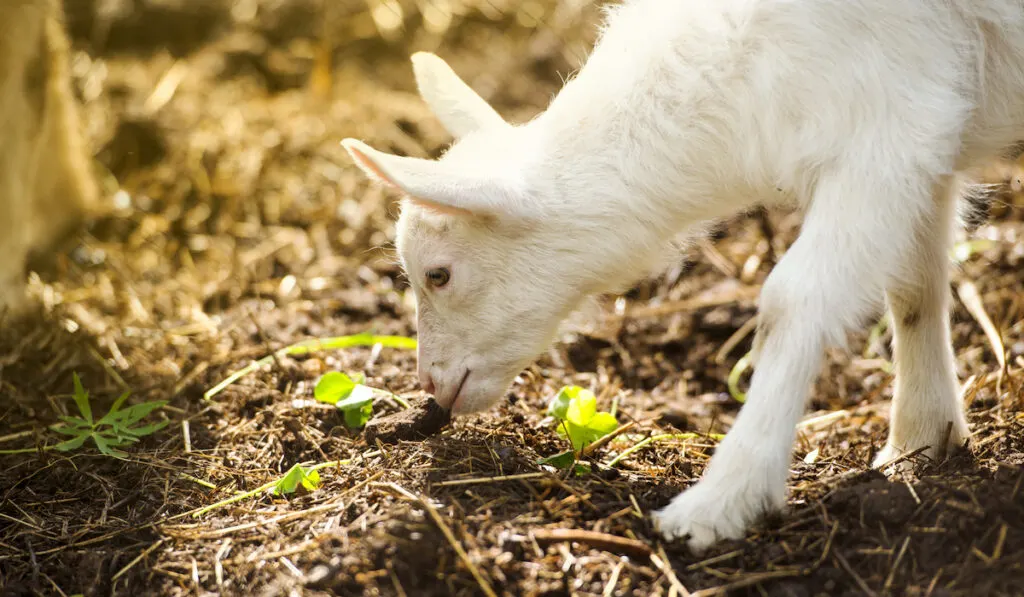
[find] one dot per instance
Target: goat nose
(427, 382)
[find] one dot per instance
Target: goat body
(871, 115)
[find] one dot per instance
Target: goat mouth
(458, 391)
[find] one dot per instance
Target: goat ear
(434, 185)
(460, 109)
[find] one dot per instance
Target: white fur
(869, 114)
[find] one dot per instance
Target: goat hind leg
(926, 409)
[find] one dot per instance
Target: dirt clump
(419, 422)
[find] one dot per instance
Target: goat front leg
(828, 281)
(926, 409)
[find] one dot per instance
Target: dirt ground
(237, 226)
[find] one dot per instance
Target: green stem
(27, 450)
(254, 492)
(235, 498)
(405, 403)
(314, 345)
(734, 378)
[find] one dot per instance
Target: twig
(18, 435)
(136, 560)
(602, 541)
(601, 442)
(256, 524)
(218, 562)
(690, 304)
(714, 560)
(164, 90)
(657, 438)
(497, 479)
(853, 574)
(717, 260)
(735, 339)
(890, 462)
(971, 299)
(825, 418)
(609, 587)
(896, 564)
(439, 521)
(746, 581)
(186, 436)
(660, 561)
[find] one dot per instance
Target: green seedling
(578, 419)
(576, 410)
(297, 476)
(117, 428)
(351, 396)
(313, 345)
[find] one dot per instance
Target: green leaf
(580, 468)
(75, 422)
(560, 405)
(603, 422)
(565, 461)
(359, 396)
(70, 430)
(580, 435)
(358, 406)
(580, 420)
(297, 476)
(72, 444)
(131, 415)
(582, 408)
(355, 418)
(332, 387)
(148, 429)
(102, 444)
(82, 399)
(561, 460)
(117, 403)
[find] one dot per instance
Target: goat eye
(438, 276)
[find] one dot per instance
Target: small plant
(306, 477)
(297, 476)
(580, 421)
(576, 410)
(116, 428)
(351, 396)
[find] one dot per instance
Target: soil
(418, 422)
(238, 226)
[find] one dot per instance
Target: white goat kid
(867, 113)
